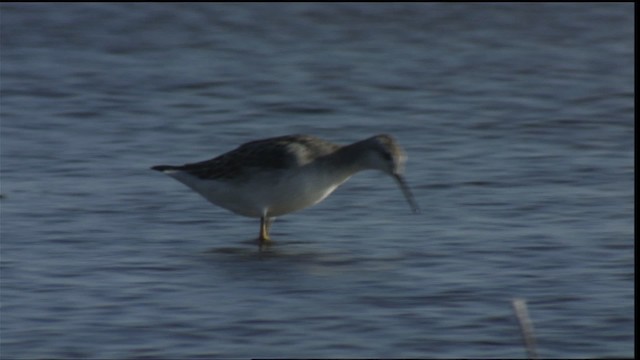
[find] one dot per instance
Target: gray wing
(262, 155)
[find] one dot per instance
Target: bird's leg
(265, 224)
(269, 222)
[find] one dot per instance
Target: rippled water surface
(518, 123)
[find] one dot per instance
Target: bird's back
(276, 153)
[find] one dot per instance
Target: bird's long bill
(407, 193)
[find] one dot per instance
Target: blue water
(518, 120)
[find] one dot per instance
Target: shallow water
(518, 123)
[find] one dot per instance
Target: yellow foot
(264, 243)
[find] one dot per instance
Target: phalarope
(272, 177)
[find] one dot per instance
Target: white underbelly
(271, 196)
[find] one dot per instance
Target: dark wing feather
(268, 154)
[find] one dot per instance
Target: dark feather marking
(268, 154)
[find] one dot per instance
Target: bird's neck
(346, 161)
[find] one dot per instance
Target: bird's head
(386, 155)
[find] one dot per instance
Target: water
(518, 123)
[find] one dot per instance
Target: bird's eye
(386, 155)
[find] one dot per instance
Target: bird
(272, 177)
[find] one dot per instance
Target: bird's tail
(163, 168)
